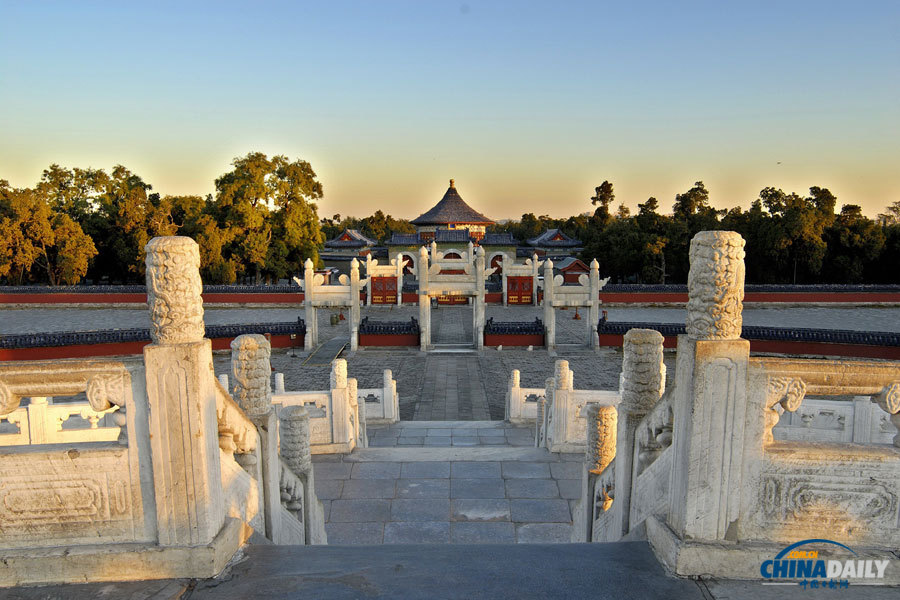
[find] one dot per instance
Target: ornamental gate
(519, 290)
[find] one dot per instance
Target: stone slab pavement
(33, 320)
(447, 386)
(618, 571)
(484, 483)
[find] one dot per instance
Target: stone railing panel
(650, 490)
(87, 494)
(237, 433)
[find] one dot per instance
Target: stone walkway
(452, 325)
(452, 390)
(449, 482)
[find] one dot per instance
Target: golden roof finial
(452, 184)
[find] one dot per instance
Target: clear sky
(528, 105)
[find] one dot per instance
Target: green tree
(853, 242)
(261, 200)
(603, 197)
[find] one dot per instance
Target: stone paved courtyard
(448, 386)
(449, 481)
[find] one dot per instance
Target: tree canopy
(261, 224)
(791, 238)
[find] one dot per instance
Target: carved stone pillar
(251, 370)
(252, 373)
(716, 286)
(710, 399)
(295, 451)
(889, 401)
(642, 384)
(295, 439)
(643, 370)
(602, 427)
(181, 392)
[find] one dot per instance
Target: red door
(384, 290)
(518, 290)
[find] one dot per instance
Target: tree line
(260, 225)
(791, 238)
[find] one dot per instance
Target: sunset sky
(528, 106)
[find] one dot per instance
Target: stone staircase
(449, 482)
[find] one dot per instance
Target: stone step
(597, 571)
(452, 424)
(477, 453)
(452, 349)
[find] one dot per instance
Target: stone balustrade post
(643, 381)
(342, 426)
(535, 274)
(279, 383)
(594, 308)
(181, 393)
(563, 398)
(424, 299)
(602, 428)
(251, 370)
(399, 279)
(710, 397)
(513, 397)
(503, 269)
(354, 305)
(295, 451)
(478, 308)
(369, 275)
(549, 311)
(389, 397)
(311, 339)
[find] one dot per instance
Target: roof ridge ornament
(452, 184)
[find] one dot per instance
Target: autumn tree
(39, 244)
